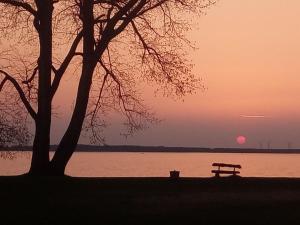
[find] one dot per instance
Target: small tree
(13, 127)
(13, 132)
(120, 42)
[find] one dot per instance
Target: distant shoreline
(165, 149)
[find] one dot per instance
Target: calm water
(159, 164)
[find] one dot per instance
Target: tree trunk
(40, 153)
(70, 139)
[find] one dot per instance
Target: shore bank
(70, 200)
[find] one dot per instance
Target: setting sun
(241, 140)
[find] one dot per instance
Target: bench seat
(225, 171)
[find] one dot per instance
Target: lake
(103, 164)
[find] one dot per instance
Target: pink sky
(248, 56)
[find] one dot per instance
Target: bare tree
(121, 43)
(13, 126)
(13, 129)
(13, 133)
(32, 81)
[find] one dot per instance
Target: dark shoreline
(166, 149)
(74, 200)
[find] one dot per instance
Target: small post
(174, 174)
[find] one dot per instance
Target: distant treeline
(136, 148)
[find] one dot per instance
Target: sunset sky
(248, 55)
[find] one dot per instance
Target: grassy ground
(209, 201)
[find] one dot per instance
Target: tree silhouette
(13, 126)
(13, 130)
(116, 43)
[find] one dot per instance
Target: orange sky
(248, 56)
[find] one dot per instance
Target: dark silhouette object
(12, 131)
(117, 43)
(221, 171)
(174, 174)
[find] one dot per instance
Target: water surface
(123, 164)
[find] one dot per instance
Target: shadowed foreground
(26, 200)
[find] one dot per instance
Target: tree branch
(21, 4)
(61, 70)
(151, 51)
(2, 83)
(134, 6)
(152, 7)
(129, 17)
(27, 81)
(20, 92)
(117, 81)
(101, 91)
